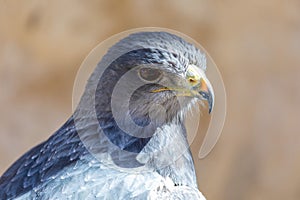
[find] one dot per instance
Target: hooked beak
(200, 85)
(206, 93)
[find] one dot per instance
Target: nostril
(204, 95)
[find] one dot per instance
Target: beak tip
(210, 106)
(209, 97)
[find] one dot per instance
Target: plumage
(92, 157)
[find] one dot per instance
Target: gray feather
(90, 157)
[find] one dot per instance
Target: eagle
(126, 139)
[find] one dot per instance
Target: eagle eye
(150, 74)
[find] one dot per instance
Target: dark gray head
(146, 80)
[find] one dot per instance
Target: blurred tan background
(255, 44)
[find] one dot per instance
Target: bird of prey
(126, 143)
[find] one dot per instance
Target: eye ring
(150, 74)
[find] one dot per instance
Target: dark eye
(150, 74)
